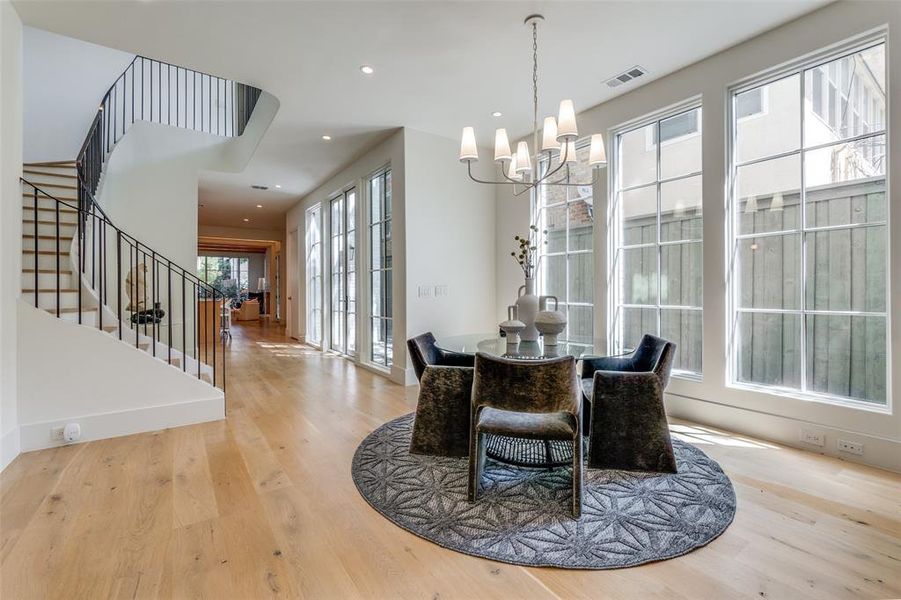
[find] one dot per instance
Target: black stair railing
(158, 92)
(155, 303)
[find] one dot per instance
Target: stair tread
(43, 237)
(61, 271)
(62, 209)
(61, 223)
(49, 290)
(49, 174)
(74, 310)
(61, 252)
(55, 163)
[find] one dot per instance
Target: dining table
(522, 452)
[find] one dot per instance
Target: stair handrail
(141, 101)
(100, 227)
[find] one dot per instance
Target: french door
(343, 337)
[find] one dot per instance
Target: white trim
(36, 436)
(10, 447)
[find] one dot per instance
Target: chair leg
(476, 463)
(577, 475)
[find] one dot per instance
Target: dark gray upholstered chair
(629, 430)
(535, 399)
(424, 352)
(441, 426)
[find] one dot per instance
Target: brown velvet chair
(424, 352)
(629, 430)
(534, 399)
(441, 426)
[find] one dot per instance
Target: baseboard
(879, 452)
(36, 436)
(10, 447)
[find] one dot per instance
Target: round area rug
(523, 516)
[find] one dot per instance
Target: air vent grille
(626, 76)
(260, 187)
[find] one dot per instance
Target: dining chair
(628, 425)
(525, 399)
(424, 351)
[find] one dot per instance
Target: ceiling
(438, 66)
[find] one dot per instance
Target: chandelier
(558, 142)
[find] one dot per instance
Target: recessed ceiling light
(366, 70)
(326, 137)
(497, 113)
(278, 187)
(259, 206)
(247, 220)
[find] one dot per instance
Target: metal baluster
(169, 302)
(57, 258)
(153, 299)
(37, 256)
(217, 318)
(119, 278)
(184, 322)
(102, 281)
(198, 322)
(80, 243)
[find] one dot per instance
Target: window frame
(799, 67)
(314, 220)
(538, 210)
(381, 173)
(615, 227)
(348, 229)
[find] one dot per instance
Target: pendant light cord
(535, 95)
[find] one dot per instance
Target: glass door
(343, 273)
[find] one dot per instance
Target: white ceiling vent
(626, 76)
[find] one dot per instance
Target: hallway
(263, 505)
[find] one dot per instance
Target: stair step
(60, 186)
(30, 196)
(49, 290)
(30, 236)
(52, 163)
(47, 174)
(61, 223)
(61, 271)
(53, 252)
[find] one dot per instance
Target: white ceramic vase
(550, 323)
(527, 310)
(512, 326)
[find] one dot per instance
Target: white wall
(10, 222)
(65, 80)
(711, 400)
(109, 387)
(450, 233)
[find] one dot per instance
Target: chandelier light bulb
(596, 154)
(778, 204)
(566, 121)
(468, 149)
(523, 160)
(569, 148)
(511, 171)
(502, 146)
(549, 137)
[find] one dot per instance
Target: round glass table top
(496, 345)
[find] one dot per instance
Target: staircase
(78, 266)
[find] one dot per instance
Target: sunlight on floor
(697, 434)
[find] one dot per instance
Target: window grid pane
(380, 270)
(808, 283)
(565, 220)
(658, 256)
(314, 275)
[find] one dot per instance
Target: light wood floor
(262, 505)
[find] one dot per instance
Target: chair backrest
(657, 355)
(423, 352)
(539, 386)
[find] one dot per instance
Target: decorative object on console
(135, 286)
(629, 430)
(512, 326)
(550, 323)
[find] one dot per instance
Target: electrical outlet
(812, 437)
(56, 434)
(850, 447)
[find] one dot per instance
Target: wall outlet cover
(813, 438)
(56, 433)
(850, 447)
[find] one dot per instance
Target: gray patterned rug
(523, 516)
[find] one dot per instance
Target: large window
(380, 268)
(228, 274)
(657, 233)
(566, 261)
(343, 272)
(314, 275)
(808, 228)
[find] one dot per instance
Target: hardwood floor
(262, 505)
